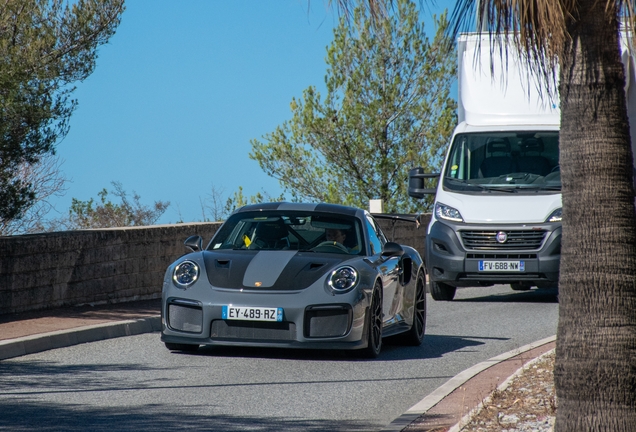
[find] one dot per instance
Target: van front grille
(514, 239)
(496, 256)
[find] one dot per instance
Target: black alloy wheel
(415, 335)
(374, 340)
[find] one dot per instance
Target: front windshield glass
(504, 161)
(290, 230)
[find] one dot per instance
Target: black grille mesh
(186, 319)
(247, 330)
(327, 323)
(522, 239)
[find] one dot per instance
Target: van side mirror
(417, 187)
(194, 242)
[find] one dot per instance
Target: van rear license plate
(252, 313)
(502, 266)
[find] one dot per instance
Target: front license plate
(499, 266)
(247, 313)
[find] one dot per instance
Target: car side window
(374, 239)
(379, 233)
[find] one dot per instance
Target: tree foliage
(106, 214)
(217, 207)
(46, 180)
(387, 108)
(45, 46)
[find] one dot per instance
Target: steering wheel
(258, 244)
(332, 245)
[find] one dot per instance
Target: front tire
(374, 333)
(520, 286)
(441, 291)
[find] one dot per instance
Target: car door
(389, 269)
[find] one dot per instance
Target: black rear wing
(399, 217)
(395, 218)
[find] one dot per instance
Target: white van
(497, 211)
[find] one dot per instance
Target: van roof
(498, 98)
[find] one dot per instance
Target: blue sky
(182, 88)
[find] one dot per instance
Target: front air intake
(187, 319)
(327, 321)
(252, 331)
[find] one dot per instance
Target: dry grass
(528, 403)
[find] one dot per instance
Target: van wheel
(520, 286)
(441, 291)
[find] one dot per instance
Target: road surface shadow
(433, 346)
(48, 417)
(534, 295)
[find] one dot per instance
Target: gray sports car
(295, 276)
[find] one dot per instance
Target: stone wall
(90, 266)
(114, 265)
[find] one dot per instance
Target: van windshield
(507, 162)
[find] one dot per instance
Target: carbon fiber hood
(267, 270)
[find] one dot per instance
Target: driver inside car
(335, 235)
(339, 236)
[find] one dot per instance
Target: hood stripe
(266, 267)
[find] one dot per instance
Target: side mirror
(194, 242)
(392, 249)
(416, 183)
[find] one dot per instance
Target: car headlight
(442, 211)
(185, 274)
(343, 279)
(556, 216)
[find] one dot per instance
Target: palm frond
(539, 29)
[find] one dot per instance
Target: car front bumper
(312, 318)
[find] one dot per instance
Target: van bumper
(450, 261)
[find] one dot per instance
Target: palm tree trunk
(595, 372)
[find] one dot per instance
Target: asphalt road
(135, 384)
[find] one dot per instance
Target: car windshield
(506, 162)
(280, 230)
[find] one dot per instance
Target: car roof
(304, 207)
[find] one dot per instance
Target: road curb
(503, 386)
(454, 383)
(64, 338)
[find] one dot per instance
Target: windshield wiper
(464, 183)
(552, 188)
(479, 186)
(515, 188)
(510, 189)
